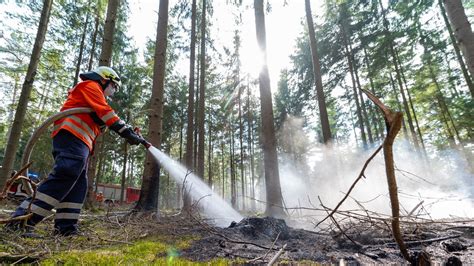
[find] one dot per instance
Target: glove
(125, 131)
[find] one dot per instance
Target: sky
(283, 25)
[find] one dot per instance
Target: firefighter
(73, 141)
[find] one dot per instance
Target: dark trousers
(66, 186)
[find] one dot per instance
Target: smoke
(440, 187)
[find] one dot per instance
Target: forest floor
(112, 237)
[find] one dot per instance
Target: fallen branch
(13, 179)
(15, 219)
(266, 253)
(273, 260)
(426, 241)
(24, 258)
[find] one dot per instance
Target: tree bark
(377, 124)
(151, 173)
(209, 155)
(241, 142)
(81, 51)
(109, 32)
(123, 185)
(362, 101)
(399, 105)
(202, 90)
(233, 188)
(323, 113)
(274, 200)
(189, 161)
(354, 86)
(94, 40)
(462, 32)
(104, 60)
(223, 168)
(250, 150)
(15, 133)
(418, 130)
(457, 51)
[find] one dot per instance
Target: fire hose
(40, 130)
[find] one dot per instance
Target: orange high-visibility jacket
(86, 94)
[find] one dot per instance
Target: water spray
(212, 205)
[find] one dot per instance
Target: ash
(256, 241)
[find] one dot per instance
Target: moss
(5, 248)
(150, 252)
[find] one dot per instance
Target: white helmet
(102, 72)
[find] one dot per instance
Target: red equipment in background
(111, 193)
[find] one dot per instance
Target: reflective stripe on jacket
(86, 94)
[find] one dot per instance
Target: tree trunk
(223, 168)
(202, 89)
(464, 70)
(151, 173)
(241, 142)
(462, 32)
(81, 51)
(399, 105)
(94, 39)
(123, 184)
(354, 86)
(323, 113)
(15, 133)
(104, 60)
(274, 201)
(196, 118)
(189, 161)
(418, 130)
(109, 32)
(209, 156)
(375, 121)
(233, 188)
(250, 150)
(362, 101)
(11, 110)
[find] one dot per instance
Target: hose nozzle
(143, 141)
(146, 144)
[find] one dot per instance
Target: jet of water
(211, 204)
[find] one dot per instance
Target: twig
(339, 227)
(266, 253)
(426, 241)
(273, 260)
(18, 218)
(13, 179)
(353, 184)
(416, 207)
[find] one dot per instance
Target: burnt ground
(252, 238)
(257, 240)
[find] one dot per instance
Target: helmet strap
(104, 85)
